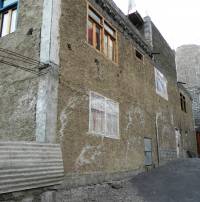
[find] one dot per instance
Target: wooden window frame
(4, 10)
(102, 33)
(110, 38)
(94, 25)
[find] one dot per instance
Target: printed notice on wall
(161, 84)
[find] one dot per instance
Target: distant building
(87, 94)
(188, 71)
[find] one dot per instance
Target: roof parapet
(123, 21)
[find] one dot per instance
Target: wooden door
(198, 143)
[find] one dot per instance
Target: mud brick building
(87, 94)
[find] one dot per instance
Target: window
(139, 55)
(101, 35)
(183, 102)
(8, 16)
(148, 151)
(161, 84)
(109, 42)
(94, 30)
(104, 116)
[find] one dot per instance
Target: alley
(178, 181)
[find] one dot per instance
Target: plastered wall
(18, 88)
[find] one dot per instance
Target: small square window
(139, 55)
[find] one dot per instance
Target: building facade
(83, 78)
(188, 71)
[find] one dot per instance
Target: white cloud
(177, 20)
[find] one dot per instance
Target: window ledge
(102, 135)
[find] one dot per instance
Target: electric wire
(11, 58)
(37, 67)
(36, 70)
(19, 67)
(20, 56)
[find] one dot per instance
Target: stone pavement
(178, 181)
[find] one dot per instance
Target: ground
(178, 181)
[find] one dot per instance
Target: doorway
(148, 151)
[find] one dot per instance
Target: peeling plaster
(133, 113)
(25, 104)
(88, 155)
(172, 119)
(27, 99)
(132, 143)
(64, 116)
(127, 151)
(166, 130)
(67, 111)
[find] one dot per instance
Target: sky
(177, 20)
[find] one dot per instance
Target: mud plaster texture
(18, 88)
(130, 82)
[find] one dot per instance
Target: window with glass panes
(101, 35)
(104, 116)
(8, 12)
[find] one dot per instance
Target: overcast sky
(177, 20)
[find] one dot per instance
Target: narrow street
(178, 181)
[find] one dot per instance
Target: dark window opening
(139, 55)
(183, 102)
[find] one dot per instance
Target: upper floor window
(104, 116)
(101, 35)
(183, 102)
(8, 16)
(148, 151)
(94, 29)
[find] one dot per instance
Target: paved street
(176, 182)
